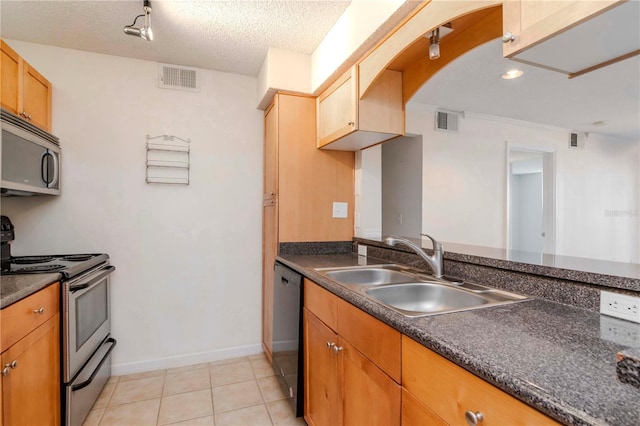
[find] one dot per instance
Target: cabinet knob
(25, 115)
(6, 371)
(473, 419)
(337, 349)
(508, 37)
(39, 311)
(351, 123)
(8, 367)
(330, 345)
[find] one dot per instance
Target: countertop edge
(17, 287)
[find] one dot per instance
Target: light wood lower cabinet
(31, 364)
(451, 392)
(342, 384)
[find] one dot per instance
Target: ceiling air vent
(180, 78)
(446, 121)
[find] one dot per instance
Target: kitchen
(198, 235)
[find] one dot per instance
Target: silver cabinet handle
(473, 419)
(25, 115)
(39, 311)
(336, 349)
(8, 367)
(330, 345)
(6, 371)
(508, 37)
(13, 364)
(351, 123)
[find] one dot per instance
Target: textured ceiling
(231, 36)
(472, 83)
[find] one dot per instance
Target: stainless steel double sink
(414, 294)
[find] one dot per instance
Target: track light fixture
(144, 32)
(434, 44)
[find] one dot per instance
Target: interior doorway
(531, 200)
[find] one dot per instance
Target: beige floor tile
(137, 390)
(185, 406)
(228, 361)
(270, 388)
(137, 413)
(113, 379)
(105, 396)
(186, 381)
(93, 418)
(282, 414)
(143, 375)
(231, 373)
(236, 396)
(187, 368)
(256, 415)
(202, 421)
(257, 356)
(261, 367)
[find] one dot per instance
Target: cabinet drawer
(450, 391)
(322, 303)
(19, 319)
(376, 340)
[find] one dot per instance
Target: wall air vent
(178, 77)
(576, 140)
(446, 121)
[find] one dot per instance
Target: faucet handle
(436, 245)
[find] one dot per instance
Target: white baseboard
(183, 360)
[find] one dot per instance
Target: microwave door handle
(44, 167)
(55, 169)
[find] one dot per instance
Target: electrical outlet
(620, 306)
(362, 250)
(340, 210)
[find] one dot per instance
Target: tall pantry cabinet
(301, 183)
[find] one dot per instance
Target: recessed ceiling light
(511, 74)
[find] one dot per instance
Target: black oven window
(92, 311)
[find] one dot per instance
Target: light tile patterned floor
(240, 391)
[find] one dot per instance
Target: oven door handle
(106, 271)
(93, 375)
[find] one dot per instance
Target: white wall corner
(283, 70)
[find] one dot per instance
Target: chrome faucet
(434, 261)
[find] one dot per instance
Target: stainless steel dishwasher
(287, 334)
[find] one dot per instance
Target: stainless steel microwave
(30, 158)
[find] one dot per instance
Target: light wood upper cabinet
(31, 365)
(452, 393)
(572, 37)
(348, 121)
(25, 92)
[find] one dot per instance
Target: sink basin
(420, 299)
(370, 275)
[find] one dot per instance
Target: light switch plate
(340, 210)
(620, 306)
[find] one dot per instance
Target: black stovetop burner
(69, 265)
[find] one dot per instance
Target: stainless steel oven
(87, 343)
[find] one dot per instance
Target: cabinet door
(414, 413)
(323, 393)
(36, 97)
(31, 390)
(10, 71)
(370, 396)
(337, 108)
(271, 151)
(534, 21)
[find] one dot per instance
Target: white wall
(368, 193)
(402, 187)
(464, 182)
(188, 282)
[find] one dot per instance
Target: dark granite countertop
(620, 275)
(556, 358)
(16, 287)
